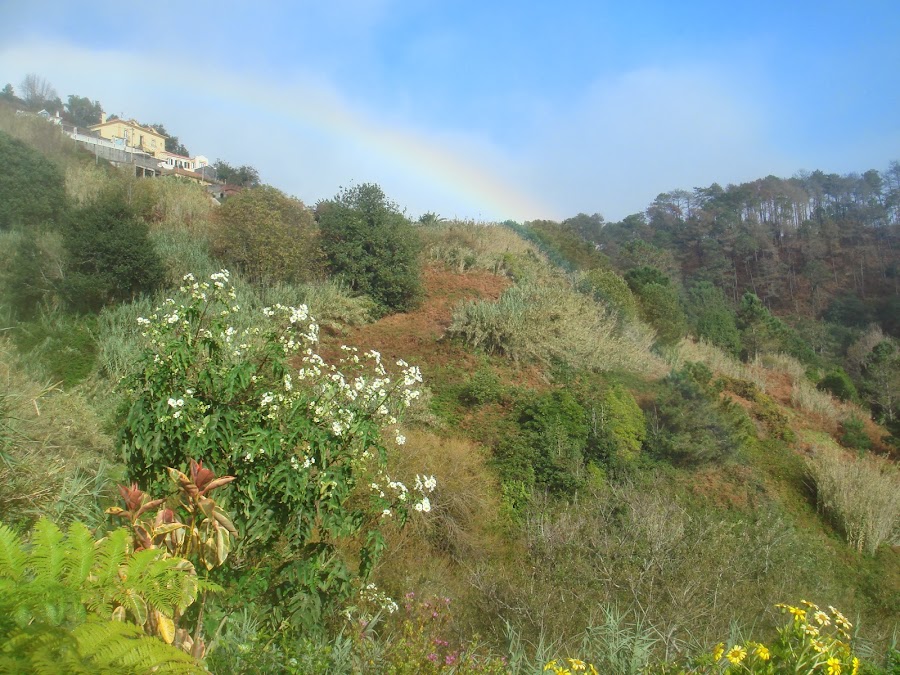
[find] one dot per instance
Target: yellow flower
(812, 631)
(550, 666)
(819, 646)
(736, 654)
(594, 670)
(576, 664)
(855, 666)
(809, 604)
(834, 666)
(718, 651)
(821, 618)
(799, 614)
(762, 652)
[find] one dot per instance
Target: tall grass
(716, 360)
(550, 322)
(55, 459)
(861, 496)
(465, 245)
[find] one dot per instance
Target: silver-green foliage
(549, 321)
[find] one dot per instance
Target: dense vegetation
(628, 444)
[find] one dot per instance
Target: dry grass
(805, 396)
(716, 360)
(783, 364)
(181, 205)
(860, 495)
(84, 182)
(549, 321)
(464, 245)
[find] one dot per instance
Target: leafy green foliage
(618, 428)
(109, 255)
(371, 245)
(305, 447)
(62, 596)
(32, 188)
(268, 236)
(763, 332)
(82, 111)
(711, 317)
(658, 303)
(690, 424)
(244, 175)
(854, 434)
(611, 289)
(838, 384)
(546, 449)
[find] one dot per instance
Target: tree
(83, 111)
(244, 175)
(36, 91)
(8, 94)
(268, 235)
(372, 246)
(173, 145)
(109, 255)
(712, 318)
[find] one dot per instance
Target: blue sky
(487, 109)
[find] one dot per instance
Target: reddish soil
(418, 336)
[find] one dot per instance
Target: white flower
(401, 439)
(423, 506)
(430, 483)
(176, 403)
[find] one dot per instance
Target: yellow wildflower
(576, 664)
(819, 646)
(821, 618)
(855, 666)
(718, 651)
(594, 670)
(811, 605)
(762, 652)
(812, 631)
(799, 614)
(736, 654)
(834, 666)
(550, 666)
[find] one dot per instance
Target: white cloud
(646, 132)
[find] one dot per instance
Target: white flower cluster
(371, 593)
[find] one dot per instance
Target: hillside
(623, 443)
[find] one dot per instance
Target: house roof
(130, 123)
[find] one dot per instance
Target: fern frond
(48, 556)
(123, 647)
(79, 554)
(12, 557)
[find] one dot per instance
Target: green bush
(611, 289)
(109, 257)
(658, 303)
(838, 384)
(618, 428)
(712, 319)
(483, 387)
(268, 236)
(32, 188)
(372, 246)
(305, 446)
(854, 434)
(546, 450)
(691, 425)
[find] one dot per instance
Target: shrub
(860, 496)
(854, 434)
(712, 318)
(464, 245)
(304, 445)
(371, 245)
(609, 288)
(839, 385)
(658, 303)
(109, 257)
(549, 322)
(32, 188)
(268, 236)
(691, 425)
(483, 387)
(618, 427)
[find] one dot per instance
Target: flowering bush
(811, 641)
(304, 442)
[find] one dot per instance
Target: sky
(487, 110)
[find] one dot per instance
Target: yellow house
(132, 135)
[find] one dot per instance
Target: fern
(58, 592)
